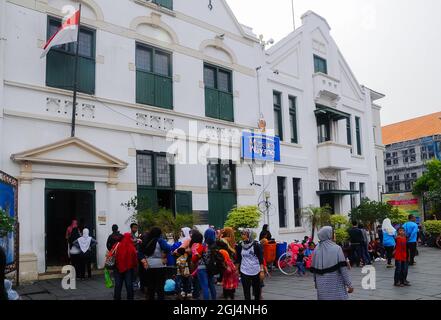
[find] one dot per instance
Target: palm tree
(317, 217)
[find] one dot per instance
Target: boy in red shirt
(401, 265)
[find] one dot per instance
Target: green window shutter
(59, 70)
(226, 111)
(86, 75)
(349, 131)
(145, 88)
(147, 199)
(163, 92)
(211, 103)
(320, 65)
(358, 134)
(184, 202)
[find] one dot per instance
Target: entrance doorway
(328, 200)
(62, 206)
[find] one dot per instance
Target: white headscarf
(186, 233)
(387, 227)
(84, 240)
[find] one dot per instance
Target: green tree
(243, 217)
(370, 212)
(429, 186)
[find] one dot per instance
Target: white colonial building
(163, 80)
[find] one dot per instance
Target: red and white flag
(66, 34)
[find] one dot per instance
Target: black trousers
(84, 264)
(155, 282)
(247, 283)
(411, 252)
(389, 253)
(356, 254)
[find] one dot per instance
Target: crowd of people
(397, 243)
(199, 262)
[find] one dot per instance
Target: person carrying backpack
(250, 264)
(204, 256)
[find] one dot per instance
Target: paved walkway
(425, 278)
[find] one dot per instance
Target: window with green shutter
(60, 61)
(154, 82)
(278, 127)
(358, 134)
(155, 181)
(320, 65)
(164, 3)
(349, 131)
(293, 119)
(218, 93)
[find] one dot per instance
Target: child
(300, 262)
(230, 277)
(308, 255)
(401, 260)
(183, 273)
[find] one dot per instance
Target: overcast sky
(392, 46)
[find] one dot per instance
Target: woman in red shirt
(401, 265)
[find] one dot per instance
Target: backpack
(214, 261)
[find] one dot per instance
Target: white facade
(112, 126)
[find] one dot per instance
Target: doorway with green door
(222, 195)
(64, 202)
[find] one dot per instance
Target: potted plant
(243, 217)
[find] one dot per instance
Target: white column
(27, 257)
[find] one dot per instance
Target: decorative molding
(220, 45)
(154, 121)
(155, 21)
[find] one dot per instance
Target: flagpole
(75, 85)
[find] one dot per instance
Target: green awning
(330, 113)
(337, 192)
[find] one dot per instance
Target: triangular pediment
(70, 152)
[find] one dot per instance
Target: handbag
(108, 280)
(111, 258)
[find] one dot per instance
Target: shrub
(341, 235)
(433, 227)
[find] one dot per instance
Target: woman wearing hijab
(85, 243)
(194, 247)
(229, 238)
(75, 251)
(153, 256)
(250, 264)
(389, 235)
(265, 233)
(126, 261)
(331, 275)
(206, 280)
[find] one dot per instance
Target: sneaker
(406, 284)
(398, 285)
(390, 266)
(183, 294)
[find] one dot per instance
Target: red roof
(412, 129)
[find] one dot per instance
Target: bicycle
(287, 263)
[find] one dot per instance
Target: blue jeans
(207, 284)
(400, 272)
(120, 278)
(183, 284)
(301, 267)
(365, 252)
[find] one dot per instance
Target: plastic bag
(108, 280)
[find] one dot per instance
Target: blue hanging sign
(256, 146)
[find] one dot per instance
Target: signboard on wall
(8, 204)
(257, 146)
(405, 201)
